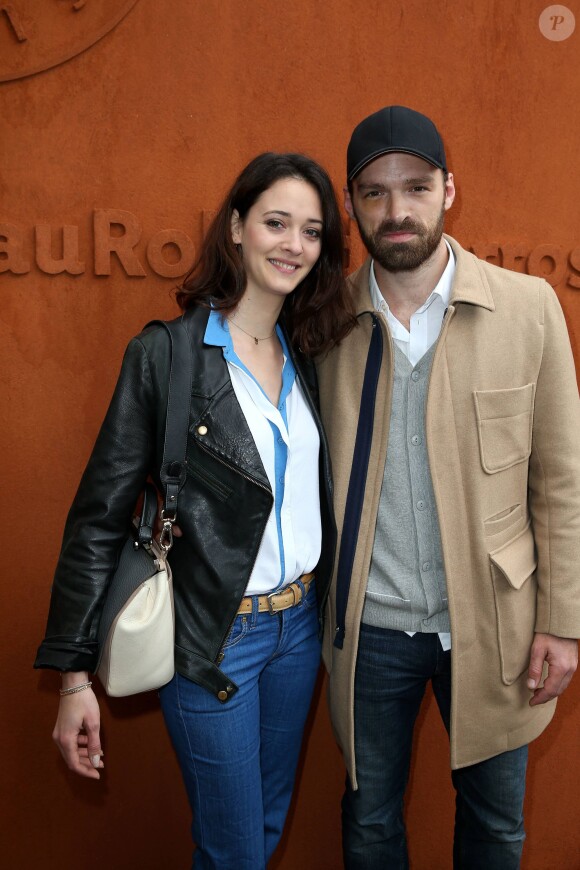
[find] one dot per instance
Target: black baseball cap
(394, 128)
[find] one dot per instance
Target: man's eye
(372, 194)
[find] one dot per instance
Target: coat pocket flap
(517, 559)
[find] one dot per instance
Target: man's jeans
(391, 676)
(239, 759)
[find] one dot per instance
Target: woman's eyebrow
(287, 214)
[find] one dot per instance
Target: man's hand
(561, 654)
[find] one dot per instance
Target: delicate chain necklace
(255, 337)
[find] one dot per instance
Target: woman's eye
(275, 224)
(312, 233)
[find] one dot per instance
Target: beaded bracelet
(74, 689)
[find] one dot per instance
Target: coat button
(222, 695)
(202, 430)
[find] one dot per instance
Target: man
(453, 419)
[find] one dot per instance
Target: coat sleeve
(554, 477)
(99, 518)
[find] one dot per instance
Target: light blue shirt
(288, 443)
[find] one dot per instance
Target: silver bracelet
(74, 689)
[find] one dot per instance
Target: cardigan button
(202, 430)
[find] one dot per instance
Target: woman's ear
(236, 227)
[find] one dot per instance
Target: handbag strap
(145, 526)
(173, 469)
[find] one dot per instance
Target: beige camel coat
(503, 435)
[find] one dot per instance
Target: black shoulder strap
(173, 469)
(358, 478)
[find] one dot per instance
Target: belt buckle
(289, 588)
(271, 608)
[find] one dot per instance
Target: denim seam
(242, 634)
(192, 758)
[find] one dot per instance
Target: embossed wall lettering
(117, 232)
(69, 261)
(549, 261)
(15, 20)
(36, 35)
(12, 250)
(117, 237)
(175, 244)
(118, 242)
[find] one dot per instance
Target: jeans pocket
(238, 631)
(310, 601)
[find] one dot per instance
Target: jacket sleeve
(554, 477)
(99, 518)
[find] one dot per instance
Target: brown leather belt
(282, 600)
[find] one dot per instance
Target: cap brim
(361, 165)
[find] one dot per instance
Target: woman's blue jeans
(391, 675)
(239, 759)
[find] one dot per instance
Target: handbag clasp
(166, 536)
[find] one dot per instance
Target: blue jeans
(391, 675)
(239, 759)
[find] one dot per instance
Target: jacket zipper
(197, 470)
(235, 469)
(266, 489)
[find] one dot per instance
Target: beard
(403, 256)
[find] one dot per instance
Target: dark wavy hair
(318, 313)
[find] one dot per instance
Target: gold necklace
(255, 337)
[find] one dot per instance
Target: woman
(255, 514)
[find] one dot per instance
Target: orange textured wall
(153, 110)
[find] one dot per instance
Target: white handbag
(137, 640)
(137, 625)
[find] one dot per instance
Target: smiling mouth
(290, 268)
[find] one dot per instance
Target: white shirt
(287, 440)
(425, 326)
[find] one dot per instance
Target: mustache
(406, 226)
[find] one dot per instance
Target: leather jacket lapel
(217, 422)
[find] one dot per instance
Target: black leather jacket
(223, 508)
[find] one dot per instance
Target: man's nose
(396, 207)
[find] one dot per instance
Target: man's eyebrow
(288, 215)
(370, 185)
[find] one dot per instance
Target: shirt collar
(217, 333)
(442, 288)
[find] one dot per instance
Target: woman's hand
(76, 732)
